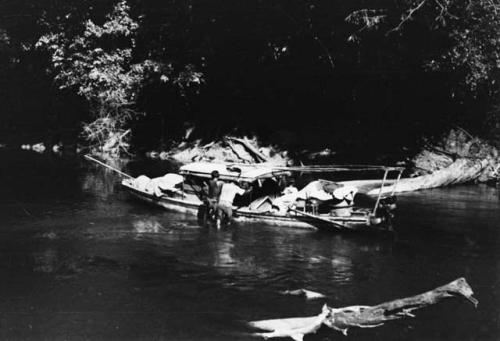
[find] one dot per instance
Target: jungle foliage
(294, 71)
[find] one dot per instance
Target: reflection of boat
(321, 204)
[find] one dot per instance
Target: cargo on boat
(273, 198)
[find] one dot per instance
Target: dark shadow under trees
(295, 73)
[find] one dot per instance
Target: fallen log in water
(460, 171)
(295, 327)
(458, 158)
(373, 316)
(342, 319)
(308, 294)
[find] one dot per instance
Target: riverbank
(457, 157)
(228, 149)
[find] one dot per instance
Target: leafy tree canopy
(344, 65)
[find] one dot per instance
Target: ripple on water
(158, 275)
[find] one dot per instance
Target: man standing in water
(225, 205)
(214, 191)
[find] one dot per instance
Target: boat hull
(298, 221)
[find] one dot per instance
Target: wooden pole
(323, 220)
(396, 183)
(380, 192)
(88, 157)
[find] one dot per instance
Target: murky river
(79, 259)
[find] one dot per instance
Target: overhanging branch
(408, 17)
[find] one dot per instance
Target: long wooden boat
(188, 198)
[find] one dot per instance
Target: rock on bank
(227, 149)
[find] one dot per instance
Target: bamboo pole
(88, 157)
(380, 192)
(396, 183)
(320, 219)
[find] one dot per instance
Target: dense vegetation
(346, 74)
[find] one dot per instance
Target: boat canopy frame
(253, 172)
(338, 168)
(256, 172)
(232, 171)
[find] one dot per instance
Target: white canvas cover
(164, 183)
(156, 186)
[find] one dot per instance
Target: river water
(79, 259)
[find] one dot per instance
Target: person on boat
(345, 195)
(287, 197)
(343, 200)
(226, 198)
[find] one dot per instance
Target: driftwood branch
(327, 52)
(251, 149)
(295, 327)
(308, 294)
(235, 151)
(452, 156)
(372, 316)
(342, 319)
(408, 17)
(469, 135)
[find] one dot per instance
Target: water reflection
(150, 225)
(89, 249)
(101, 182)
(223, 248)
(246, 254)
(46, 261)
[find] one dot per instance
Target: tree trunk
(342, 319)
(373, 316)
(460, 171)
